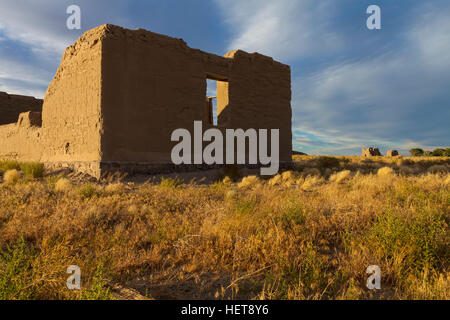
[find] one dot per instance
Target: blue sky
(351, 86)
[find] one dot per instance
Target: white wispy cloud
(430, 37)
(37, 36)
(285, 29)
(40, 24)
(394, 97)
(384, 98)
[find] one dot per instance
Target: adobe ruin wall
(118, 94)
(162, 87)
(11, 105)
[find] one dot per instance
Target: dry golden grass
(248, 182)
(276, 180)
(311, 182)
(309, 233)
(385, 172)
(438, 169)
(11, 176)
(116, 187)
(63, 185)
(340, 176)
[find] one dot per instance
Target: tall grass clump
(418, 241)
(276, 180)
(385, 172)
(63, 185)
(340, 176)
(311, 172)
(328, 162)
(9, 165)
(447, 180)
(438, 169)
(87, 191)
(11, 176)
(311, 182)
(116, 187)
(98, 289)
(170, 182)
(15, 265)
(32, 169)
(249, 182)
(288, 178)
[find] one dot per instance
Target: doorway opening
(215, 97)
(211, 101)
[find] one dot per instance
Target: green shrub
(305, 272)
(243, 207)
(447, 152)
(15, 269)
(87, 191)
(98, 289)
(421, 237)
(416, 152)
(292, 214)
(32, 169)
(9, 165)
(439, 152)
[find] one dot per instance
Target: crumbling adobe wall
(118, 95)
(153, 84)
(22, 140)
(12, 105)
(392, 153)
(71, 118)
(20, 127)
(259, 97)
(370, 152)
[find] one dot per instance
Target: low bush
(11, 176)
(328, 162)
(32, 169)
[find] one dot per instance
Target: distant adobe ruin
(118, 94)
(392, 153)
(370, 152)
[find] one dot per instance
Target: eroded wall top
(12, 105)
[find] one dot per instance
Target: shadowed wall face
(257, 95)
(12, 105)
(153, 84)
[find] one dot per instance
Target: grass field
(309, 233)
